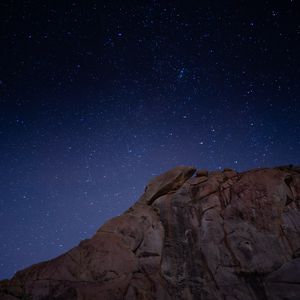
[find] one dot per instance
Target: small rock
(200, 173)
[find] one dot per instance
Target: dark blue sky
(96, 98)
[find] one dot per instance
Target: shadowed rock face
(219, 235)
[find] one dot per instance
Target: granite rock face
(212, 235)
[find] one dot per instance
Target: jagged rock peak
(213, 236)
(167, 182)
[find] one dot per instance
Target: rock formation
(192, 235)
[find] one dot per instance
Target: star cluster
(96, 97)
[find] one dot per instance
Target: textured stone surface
(215, 235)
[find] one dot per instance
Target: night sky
(97, 97)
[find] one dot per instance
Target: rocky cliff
(193, 234)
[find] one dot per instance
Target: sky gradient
(96, 97)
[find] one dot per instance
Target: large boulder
(215, 235)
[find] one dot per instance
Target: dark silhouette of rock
(216, 235)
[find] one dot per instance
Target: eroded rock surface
(212, 235)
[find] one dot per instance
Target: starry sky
(96, 97)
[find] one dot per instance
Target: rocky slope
(191, 235)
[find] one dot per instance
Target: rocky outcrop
(212, 235)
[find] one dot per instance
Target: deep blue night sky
(96, 97)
